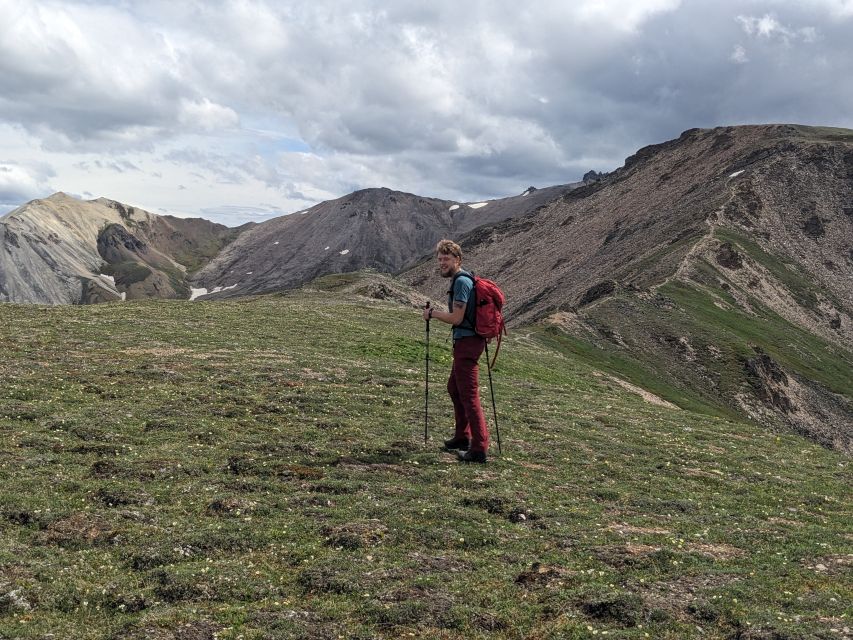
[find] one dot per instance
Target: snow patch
(344, 252)
(526, 193)
(218, 289)
(454, 207)
(276, 242)
(477, 205)
(195, 293)
(737, 173)
(123, 296)
(248, 273)
(326, 249)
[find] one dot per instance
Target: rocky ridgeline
(720, 263)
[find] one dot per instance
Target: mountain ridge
(62, 250)
(371, 228)
(716, 267)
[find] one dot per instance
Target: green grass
(801, 287)
(127, 273)
(788, 344)
(829, 134)
(722, 338)
(195, 257)
(256, 469)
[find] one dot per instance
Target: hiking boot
(472, 456)
(457, 444)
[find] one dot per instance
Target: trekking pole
(494, 406)
(426, 384)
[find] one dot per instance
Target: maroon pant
(464, 389)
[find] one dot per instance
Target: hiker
(471, 439)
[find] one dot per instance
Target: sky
(244, 110)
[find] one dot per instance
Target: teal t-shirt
(463, 291)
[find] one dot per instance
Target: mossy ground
(256, 469)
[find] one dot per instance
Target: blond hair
(448, 247)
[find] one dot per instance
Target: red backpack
(488, 315)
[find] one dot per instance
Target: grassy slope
(256, 468)
(711, 319)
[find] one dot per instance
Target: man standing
(471, 439)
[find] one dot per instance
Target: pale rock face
(51, 249)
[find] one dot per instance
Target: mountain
(372, 228)
(61, 250)
(715, 269)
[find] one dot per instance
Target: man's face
(448, 264)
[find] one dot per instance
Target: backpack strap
(471, 299)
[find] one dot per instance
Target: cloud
(205, 115)
(769, 28)
(85, 76)
(193, 106)
(234, 215)
(739, 55)
(119, 165)
(20, 183)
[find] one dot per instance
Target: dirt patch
(625, 555)
(648, 396)
(145, 470)
(699, 473)
(77, 530)
(682, 598)
(715, 551)
(173, 588)
(241, 465)
(230, 506)
(155, 351)
(534, 466)
(119, 497)
(325, 580)
(355, 535)
(625, 609)
(438, 563)
(416, 605)
(542, 575)
(831, 565)
(784, 522)
(502, 507)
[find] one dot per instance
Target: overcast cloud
(243, 110)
